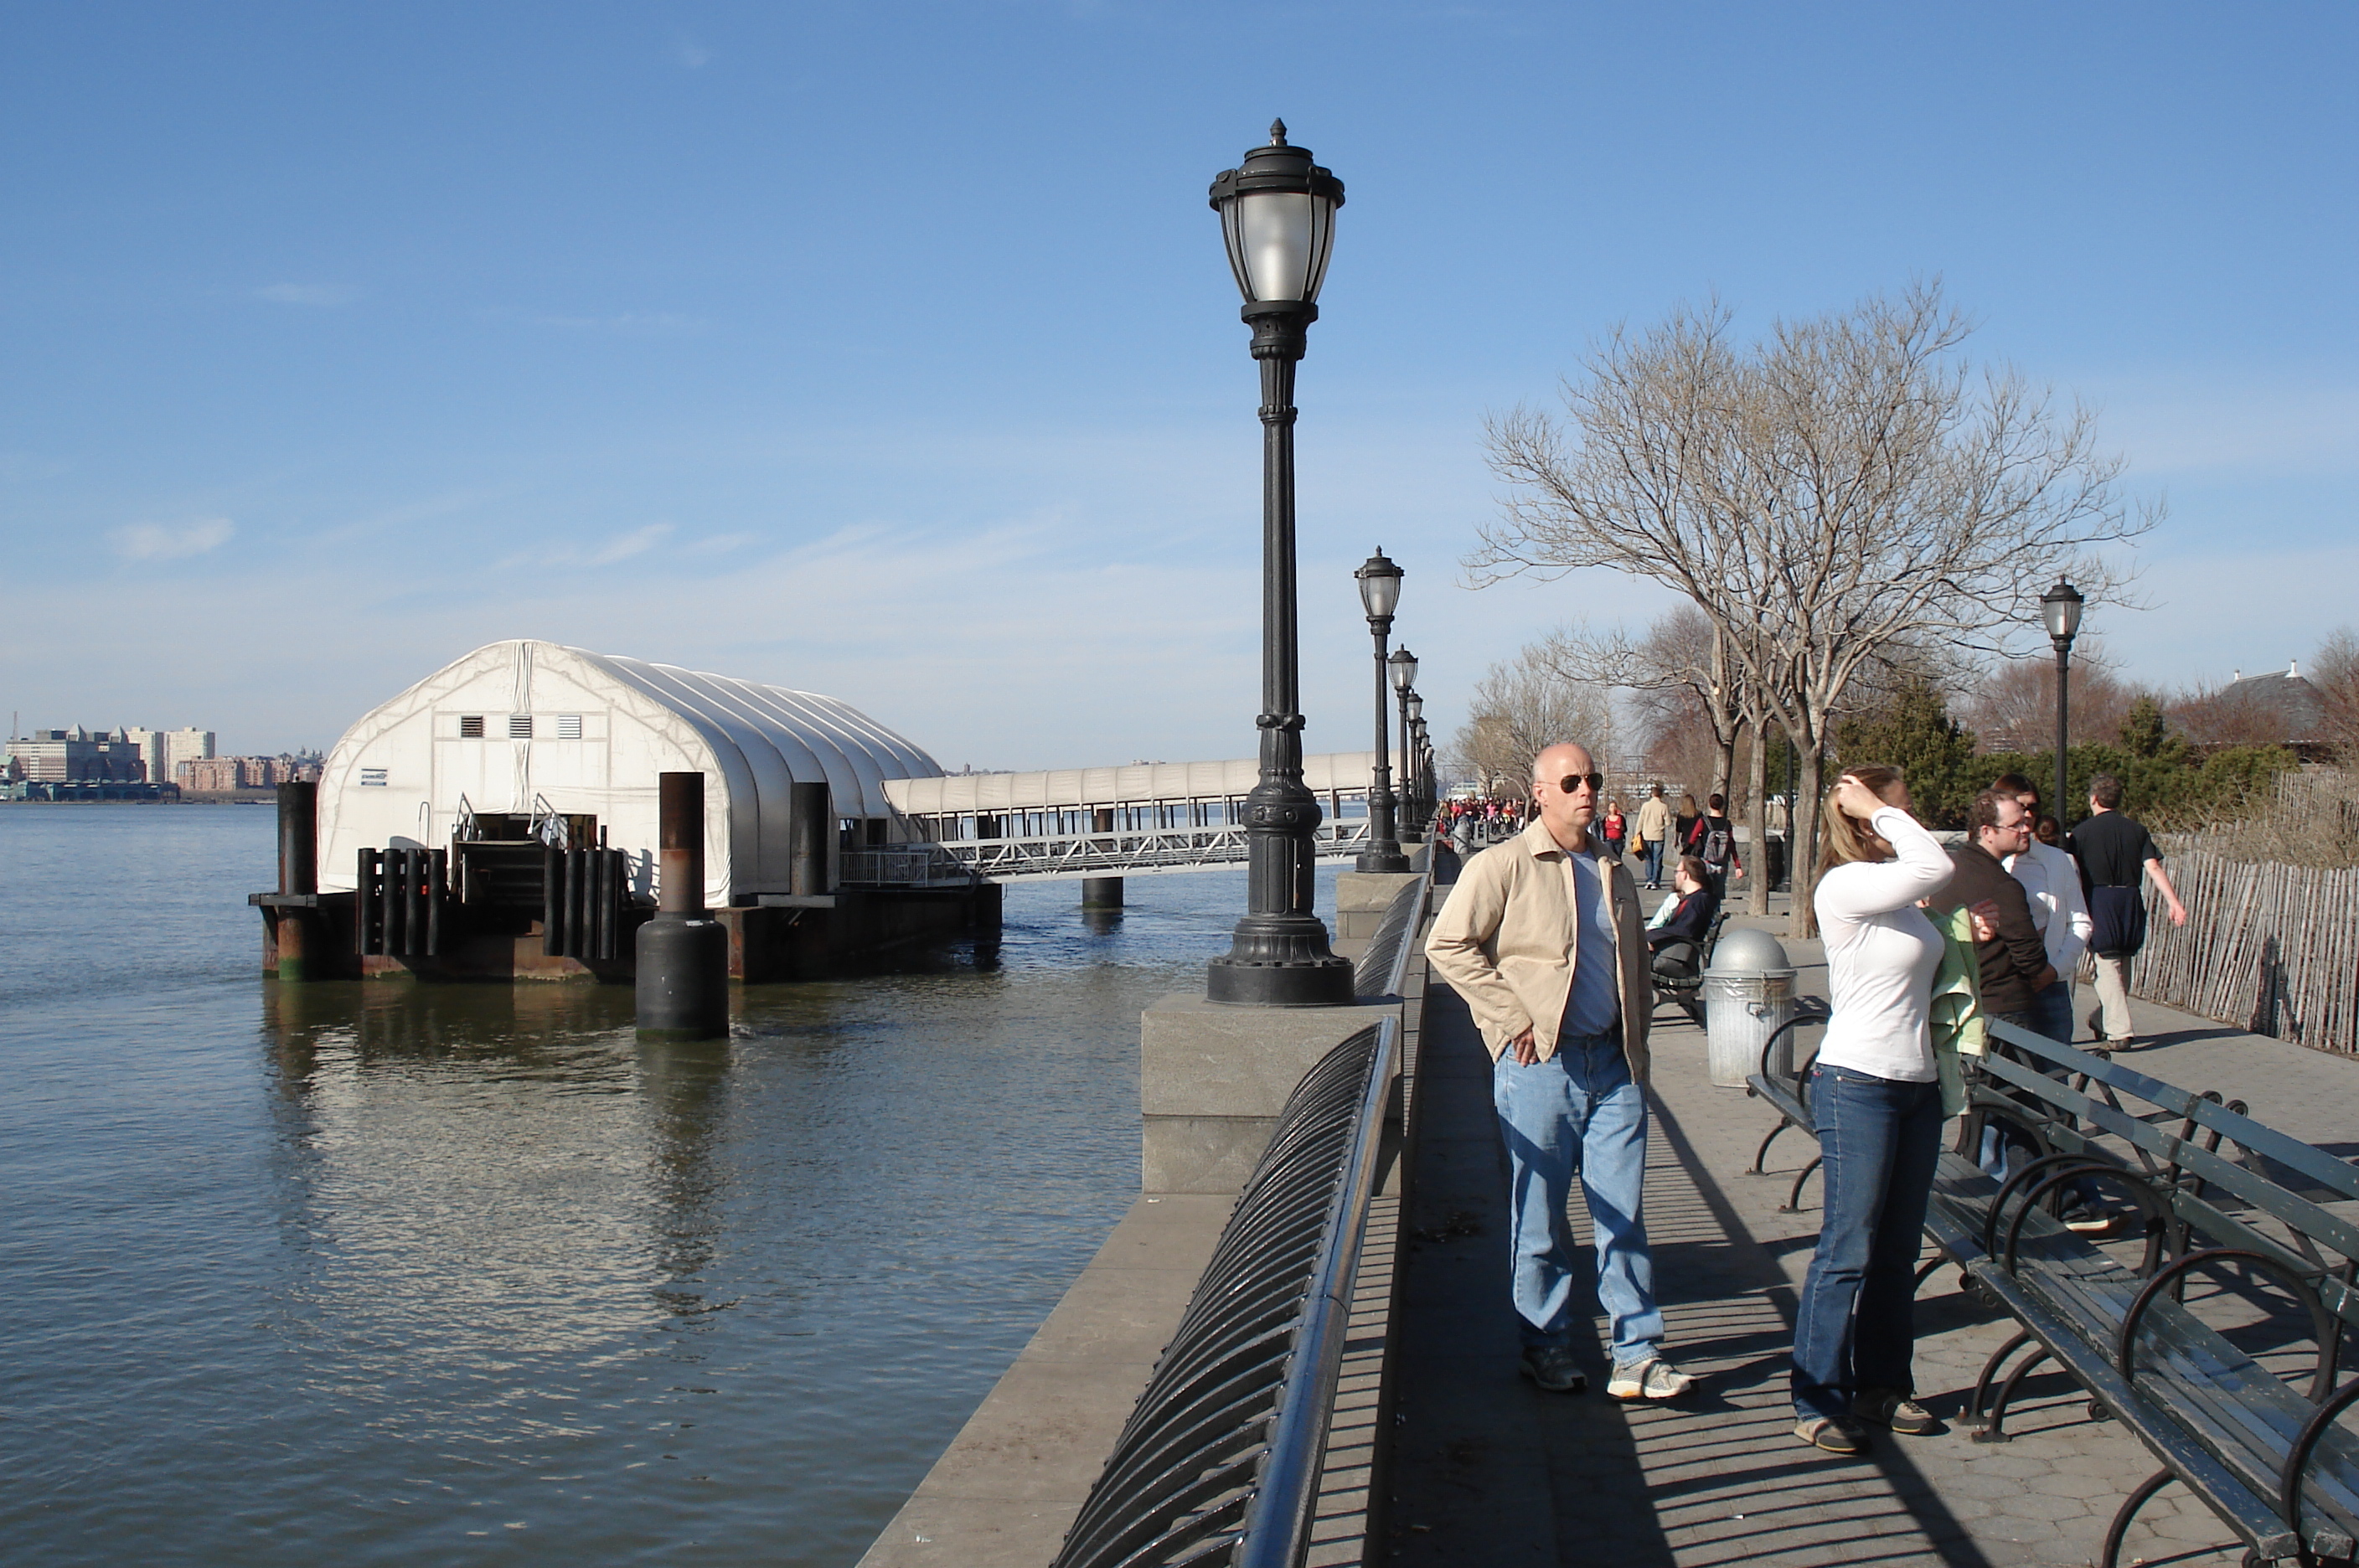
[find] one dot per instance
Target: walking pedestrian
(1653, 834)
(1542, 940)
(1715, 846)
(2114, 851)
(1615, 828)
(1880, 1093)
(1687, 826)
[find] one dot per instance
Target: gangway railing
(1132, 851)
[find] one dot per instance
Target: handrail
(1220, 1460)
(1384, 967)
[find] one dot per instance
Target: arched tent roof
(525, 720)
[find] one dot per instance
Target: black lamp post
(1414, 706)
(1380, 581)
(1277, 216)
(2061, 608)
(1403, 664)
(1428, 797)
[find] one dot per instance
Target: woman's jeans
(1879, 1140)
(1578, 1114)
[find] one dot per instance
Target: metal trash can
(1748, 991)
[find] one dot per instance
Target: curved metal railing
(1219, 1462)
(1384, 964)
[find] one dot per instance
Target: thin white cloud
(307, 294)
(164, 542)
(629, 323)
(620, 548)
(718, 544)
(694, 56)
(639, 541)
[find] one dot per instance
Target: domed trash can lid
(1743, 951)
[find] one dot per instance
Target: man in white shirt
(2052, 880)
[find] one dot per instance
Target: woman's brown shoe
(1837, 1434)
(1897, 1411)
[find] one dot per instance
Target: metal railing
(1384, 964)
(902, 865)
(1220, 1461)
(1133, 850)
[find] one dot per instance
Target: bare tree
(1849, 484)
(2334, 671)
(1523, 704)
(2012, 705)
(1681, 681)
(2236, 714)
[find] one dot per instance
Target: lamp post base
(1381, 860)
(1328, 984)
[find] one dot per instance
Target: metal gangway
(1134, 821)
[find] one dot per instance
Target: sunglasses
(1571, 781)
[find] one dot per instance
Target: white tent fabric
(582, 732)
(1145, 783)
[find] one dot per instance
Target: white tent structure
(539, 728)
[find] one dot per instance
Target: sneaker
(1551, 1367)
(1897, 1411)
(2096, 1221)
(1652, 1380)
(1837, 1434)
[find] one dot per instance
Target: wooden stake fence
(2271, 948)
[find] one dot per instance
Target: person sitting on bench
(1677, 933)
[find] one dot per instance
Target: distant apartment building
(76, 756)
(164, 750)
(218, 775)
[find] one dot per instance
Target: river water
(390, 1274)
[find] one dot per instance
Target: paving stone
(2042, 1506)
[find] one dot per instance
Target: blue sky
(889, 351)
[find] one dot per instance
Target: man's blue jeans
(1654, 862)
(1879, 1140)
(1578, 1114)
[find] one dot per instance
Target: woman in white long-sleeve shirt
(1876, 1096)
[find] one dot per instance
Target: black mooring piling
(810, 823)
(684, 952)
(297, 928)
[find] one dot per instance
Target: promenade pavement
(1487, 1469)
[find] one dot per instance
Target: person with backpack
(1715, 846)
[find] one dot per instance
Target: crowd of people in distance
(1542, 938)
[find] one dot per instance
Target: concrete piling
(684, 952)
(1102, 893)
(298, 930)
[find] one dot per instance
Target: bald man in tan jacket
(1541, 936)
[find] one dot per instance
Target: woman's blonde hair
(1843, 838)
(1687, 806)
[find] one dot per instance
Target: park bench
(2267, 1458)
(1677, 969)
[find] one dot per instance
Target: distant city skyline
(890, 352)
